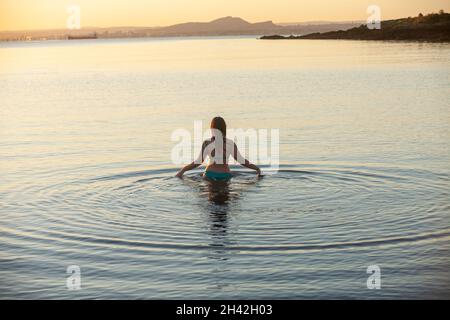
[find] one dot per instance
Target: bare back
(218, 154)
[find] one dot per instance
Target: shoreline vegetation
(434, 27)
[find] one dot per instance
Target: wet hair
(218, 123)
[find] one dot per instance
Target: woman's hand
(179, 174)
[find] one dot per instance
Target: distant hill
(226, 26)
(222, 26)
(434, 27)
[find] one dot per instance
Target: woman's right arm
(244, 162)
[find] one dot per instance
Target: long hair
(218, 123)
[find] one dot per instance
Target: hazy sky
(41, 14)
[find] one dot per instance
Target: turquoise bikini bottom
(217, 176)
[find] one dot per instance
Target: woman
(218, 149)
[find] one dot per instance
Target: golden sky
(43, 14)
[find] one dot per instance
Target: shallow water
(87, 177)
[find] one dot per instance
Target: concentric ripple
(119, 226)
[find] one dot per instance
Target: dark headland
(434, 27)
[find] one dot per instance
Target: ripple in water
(303, 232)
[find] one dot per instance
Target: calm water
(87, 178)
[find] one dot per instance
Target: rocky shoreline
(434, 27)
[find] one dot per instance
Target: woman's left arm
(197, 163)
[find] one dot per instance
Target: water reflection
(218, 192)
(217, 199)
(218, 206)
(223, 197)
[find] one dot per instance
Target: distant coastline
(434, 27)
(82, 37)
(226, 26)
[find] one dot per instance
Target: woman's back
(218, 153)
(218, 150)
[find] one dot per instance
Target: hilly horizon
(218, 21)
(228, 22)
(223, 26)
